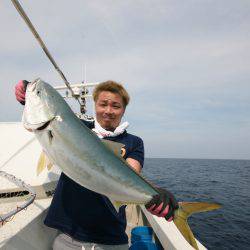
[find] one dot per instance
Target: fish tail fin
(184, 211)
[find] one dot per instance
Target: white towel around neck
(101, 132)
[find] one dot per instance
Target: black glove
(159, 202)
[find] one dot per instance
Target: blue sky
(184, 63)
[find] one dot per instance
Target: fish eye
(38, 92)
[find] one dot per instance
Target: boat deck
(26, 230)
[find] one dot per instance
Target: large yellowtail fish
(86, 159)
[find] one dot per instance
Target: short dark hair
(113, 87)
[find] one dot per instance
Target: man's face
(109, 110)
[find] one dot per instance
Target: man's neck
(109, 129)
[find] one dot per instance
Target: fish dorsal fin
(184, 211)
(43, 162)
(116, 147)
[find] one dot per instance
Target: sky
(185, 64)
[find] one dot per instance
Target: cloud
(184, 63)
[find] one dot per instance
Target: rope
(32, 195)
(38, 38)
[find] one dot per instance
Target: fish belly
(88, 173)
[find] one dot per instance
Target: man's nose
(109, 110)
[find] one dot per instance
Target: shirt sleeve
(137, 151)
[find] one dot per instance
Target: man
(86, 218)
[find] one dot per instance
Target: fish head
(42, 105)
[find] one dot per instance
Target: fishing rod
(43, 46)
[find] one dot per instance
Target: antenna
(85, 73)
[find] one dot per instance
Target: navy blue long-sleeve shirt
(89, 216)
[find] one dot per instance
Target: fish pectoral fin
(43, 162)
(184, 211)
(116, 147)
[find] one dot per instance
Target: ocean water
(224, 181)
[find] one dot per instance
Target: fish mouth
(44, 126)
(40, 126)
(32, 85)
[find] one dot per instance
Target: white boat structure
(19, 155)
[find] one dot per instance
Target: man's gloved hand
(163, 204)
(20, 90)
